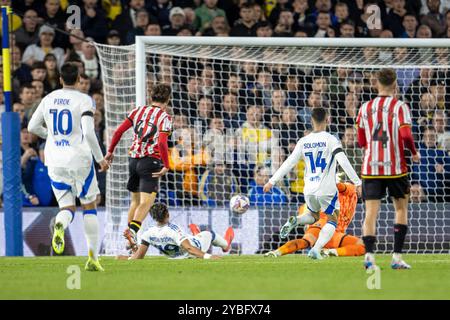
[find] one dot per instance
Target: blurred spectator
(113, 38)
(84, 85)
(20, 109)
(417, 87)
(127, 19)
(160, 10)
(284, 25)
(27, 98)
(177, 19)
(323, 25)
(351, 148)
(424, 31)
(89, 58)
(347, 29)
(291, 129)
(256, 194)
(153, 29)
(232, 117)
(245, 26)
(409, 24)
(417, 195)
(21, 72)
(434, 18)
(93, 20)
(205, 13)
(39, 90)
(28, 33)
(28, 155)
(346, 114)
(263, 29)
(52, 73)
(39, 72)
(300, 11)
(404, 75)
(424, 114)
(433, 171)
(440, 123)
(217, 185)
(394, 18)
(76, 43)
(142, 21)
(219, 27)
(37, 52)
(53, 15)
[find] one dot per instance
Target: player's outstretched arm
(139, 254)
(124, 126)
(345, 164)
(287, 166)
(36, 124)
(196, 252)
(88, 127)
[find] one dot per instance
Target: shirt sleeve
(36, 124)
(166, 125)
(145, 238)
(404, 116)
(88, 107)
(359, 120)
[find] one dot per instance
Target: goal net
(238, 108)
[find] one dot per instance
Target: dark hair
(387, 77)
(25, 86)
(246, 5)
(69, 73)
(84, 76)
(38, 65)
(159, 212)
(319, 114)
(161, 93)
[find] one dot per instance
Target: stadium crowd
(257, 102)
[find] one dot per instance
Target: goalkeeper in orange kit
(341, 244)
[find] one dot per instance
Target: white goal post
(334, 71)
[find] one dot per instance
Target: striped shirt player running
(65, 118)
(321, 151)
(149, 156)
(384, 129)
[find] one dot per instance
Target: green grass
(233, 277)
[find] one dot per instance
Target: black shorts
(375, 188)
(141, 170)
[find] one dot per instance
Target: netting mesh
(238, 112)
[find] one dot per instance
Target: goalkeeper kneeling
(341, 244)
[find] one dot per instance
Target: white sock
(219, 241)
(64, 217)
(325, 235)
(305, 218)
(91, 232)
(369, 257)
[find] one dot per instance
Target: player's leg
(349, 246)
(63, 191)
(331, 209)
(309, 215)
(373, 191)
(134, 203)
(88, 195)
(133, 187)
(148, 188)
(399, 190)
(292, 246)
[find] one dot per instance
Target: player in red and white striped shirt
(384, 130)
(149, 156)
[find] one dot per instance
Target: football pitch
(233, 277)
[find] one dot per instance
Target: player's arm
(124, 126)
(186, 244)
(163, 138)
(360, 131)
(404, 123)
(287, 166)
(345, 164)
(139, 254)
(36, 124)
(88, 128)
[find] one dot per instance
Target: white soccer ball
(239, 204)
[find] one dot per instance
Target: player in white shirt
(321, 152)
(65, 117)
(171, 241)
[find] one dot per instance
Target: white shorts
(326, 204)
(202, 240)
(69, 184)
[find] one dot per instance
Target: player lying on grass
(171, 241)
(341, 244)
(321, 151)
